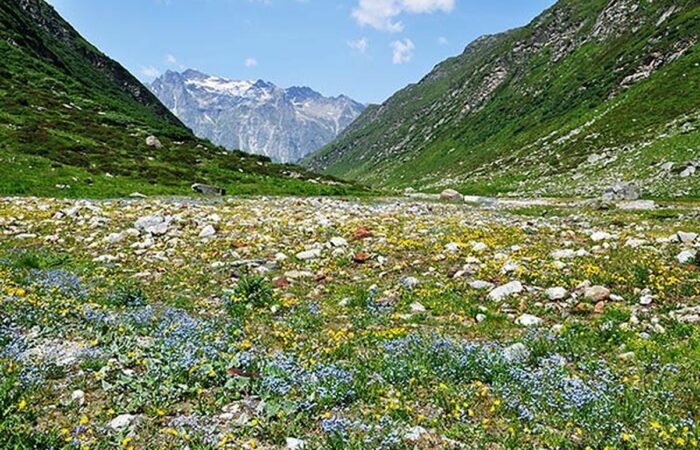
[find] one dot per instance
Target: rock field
(393, 323)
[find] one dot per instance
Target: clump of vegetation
(33, 259)
(127, 294)
(251, 291)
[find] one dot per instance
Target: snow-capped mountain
(256, 116)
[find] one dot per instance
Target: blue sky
(366, 49)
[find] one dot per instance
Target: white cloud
(382, 14)
(361, 45)
(442, 40)
(170, 59)
(150, 72)
(250, 62)
(403, 51)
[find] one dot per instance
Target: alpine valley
(591, 92)
(256, 116)
(143, 308)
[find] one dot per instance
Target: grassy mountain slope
(590, 92)
(74, 123)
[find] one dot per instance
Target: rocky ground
(325, 323)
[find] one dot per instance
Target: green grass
(73, 118)
(511, 141)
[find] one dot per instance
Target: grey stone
(556, 293)
(295, 444)
(153, 141)
(121, 422)
(451, 195)
(686, 256)
(308, 254)
(597, 293)
(207, 189)
(622, 191)
(685, 237)
(506, 290)
(516, 353)
(207, 232)
(528, 320)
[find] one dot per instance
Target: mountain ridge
(75, 123)
(521, 111)
(255, 115)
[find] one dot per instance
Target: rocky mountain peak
(255, 116)
(301, 93)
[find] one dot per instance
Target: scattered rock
(686, 238)
(417, 307)
(686, 256)
(153, 141)
(452, 247)
(295, 444)
(687, 315)
(78, 397)
(516, 354)
(207, 232)
(601, 236)
(479, 247)
(528, 320)
(413, 435)
(115, 238)
(409, 282)
(597, 293)
(308, 254)
(280, 282)
(556, 293)
(121, 422)
(621, 191)
(451, 195)
(104, 259)
(361, 257)
(506, 290)
(688, 172)
(298, 274)
(634, 243)
(338, 242)
(361, 233)
(599, 307)
(480, 284)
(563, 254)
(637, 205)
(155, 225)
(208, 190)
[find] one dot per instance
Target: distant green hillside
(74, 123)
(590, 92)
